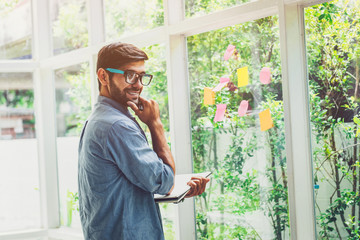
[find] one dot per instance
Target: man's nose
(137, 84)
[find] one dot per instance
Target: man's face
(121, 91)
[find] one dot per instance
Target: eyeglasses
(132, 77)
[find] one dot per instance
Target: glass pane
(15, 25)
(157, 90)
(132, 16)
(19, 174)
(244, 146)
(333, 51)
(69, 23)
(72, 108)
(195, 8)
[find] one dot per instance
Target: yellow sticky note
(243, 76)
(265, 120)
(209, 96)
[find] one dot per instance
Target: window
(157, 90)
(15, 36)
(132, 16)
(19, 175)
(69, 20)
(234, 59)
(194, 8)
(244, 145)
(332, 39)
(72, 109)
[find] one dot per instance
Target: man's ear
(103, 76)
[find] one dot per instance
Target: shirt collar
(114, 104)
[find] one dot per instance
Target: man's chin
(136, 101)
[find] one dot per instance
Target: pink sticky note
(243, 107)
(220, 112)
(223, 83)
(229, 51)
(265, 75)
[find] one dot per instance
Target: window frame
(173, 34)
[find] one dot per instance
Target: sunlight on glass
(238, 132)
(195, 8)
(333, 51)
(16, 29)
(132, 16)
(69, 25)
(72, 109)
(19, 170)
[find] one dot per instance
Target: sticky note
(243, 107)
(209, 96)
(229, 51)
(243, 76)
(265, 75)
(223, 83)
(220, 112)
(265, 120)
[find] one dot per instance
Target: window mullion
(297, 122)
(96, 29)
(179, 109)
(44, 90)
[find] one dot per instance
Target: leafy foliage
(333, 34)
(238, 192)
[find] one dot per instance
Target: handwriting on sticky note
(223, 83)
(229, 51)
(209, 96)
(265, 75)
(243, 107)
(265, 120)
(243, 76)
(220, 112)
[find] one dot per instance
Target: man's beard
(120, 96)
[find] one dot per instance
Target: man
(118, 171)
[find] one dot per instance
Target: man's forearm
(160, 145)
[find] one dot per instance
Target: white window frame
(173, 34)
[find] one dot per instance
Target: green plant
(235, 192)
(333, 51)
(72, 205)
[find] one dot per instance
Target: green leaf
(357, 120)
(321, 16)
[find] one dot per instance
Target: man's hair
(115, 55)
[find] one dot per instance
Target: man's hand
(198, 185)
(150, 115)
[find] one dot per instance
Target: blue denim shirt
(118, 175)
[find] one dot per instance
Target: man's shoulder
(107, 115)
(108, 119)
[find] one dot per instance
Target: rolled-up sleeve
(130, 151)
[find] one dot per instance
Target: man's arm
(151, 117)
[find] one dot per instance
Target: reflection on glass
(19, 176)
(69, 25)
(195, 8)
(247, 197)
(15, 25)
(132, 16)
(333, 50)
(72, 109)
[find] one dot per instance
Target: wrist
(157, 124)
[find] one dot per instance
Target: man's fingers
(198, 186)
(133, 107)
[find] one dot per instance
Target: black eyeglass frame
(137, 76)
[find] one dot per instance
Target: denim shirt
(118, 176)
